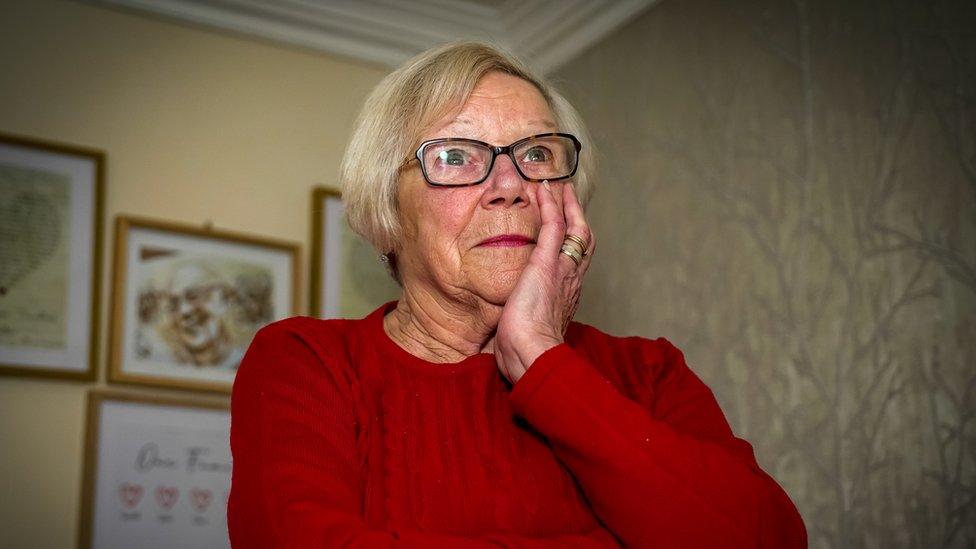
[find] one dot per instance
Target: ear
(390, 260)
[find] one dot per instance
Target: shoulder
(303, 330)
(639, 367)
(292, 380)
(301, 350)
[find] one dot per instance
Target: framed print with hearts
(186, 301)
(347, 278)
(157, 472)
(51, 218)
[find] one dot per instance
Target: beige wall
(787, 191)
(198, 126)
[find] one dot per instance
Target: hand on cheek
(546, 295)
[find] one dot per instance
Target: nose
(504, 187)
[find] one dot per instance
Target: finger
(566, 264)
(575, 218)
(576, 225)
(553, 223)
(588, 258)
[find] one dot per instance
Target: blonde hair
(404, 105)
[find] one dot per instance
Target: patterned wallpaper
(787, 191)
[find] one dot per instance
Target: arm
(297, 478)
(673, 475)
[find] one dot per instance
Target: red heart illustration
(130, 494)
(166, 496)
(200, 499)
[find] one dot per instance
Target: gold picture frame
(316, 268)
(56, 186)
(152, 408)
(346, 277)
(200, 295)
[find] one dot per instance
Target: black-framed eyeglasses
(459, 162)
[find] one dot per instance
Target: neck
(437, 329)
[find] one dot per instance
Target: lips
(507, 240)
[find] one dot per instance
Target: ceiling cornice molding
(546, 33)
(549, 39)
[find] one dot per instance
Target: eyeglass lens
(456, 162)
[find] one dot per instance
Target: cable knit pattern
(342, 438)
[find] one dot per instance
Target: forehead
(501, 107)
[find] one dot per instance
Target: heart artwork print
(200, 499)
(130, 494)
(32, 222)
(166, 496)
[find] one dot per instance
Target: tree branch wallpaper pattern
(804, 175)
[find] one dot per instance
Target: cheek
(442, 221)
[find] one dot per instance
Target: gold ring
(572, 253)
(578, 241)
(572, 245)
(569, 244)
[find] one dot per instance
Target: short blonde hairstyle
(404, 105)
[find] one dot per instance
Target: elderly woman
(473, 412)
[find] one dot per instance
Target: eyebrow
(537, 121)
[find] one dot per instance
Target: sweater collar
(476, 362)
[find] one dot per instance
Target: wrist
(533, 348)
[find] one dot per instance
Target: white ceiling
(546, 33)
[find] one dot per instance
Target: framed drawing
(186, 301)
(51, 204)
(156, 473)
(347, 279)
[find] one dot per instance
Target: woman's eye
(537, 154)
(453, 157)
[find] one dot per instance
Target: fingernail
(545, 182)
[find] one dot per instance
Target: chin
(495, 287)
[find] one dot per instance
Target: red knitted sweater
(342, 438)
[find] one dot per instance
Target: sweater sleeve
(666, 475)
(298, 480)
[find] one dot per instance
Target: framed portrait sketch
(186, 301)
(157, 473)
(51, 204)
(347, 278)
